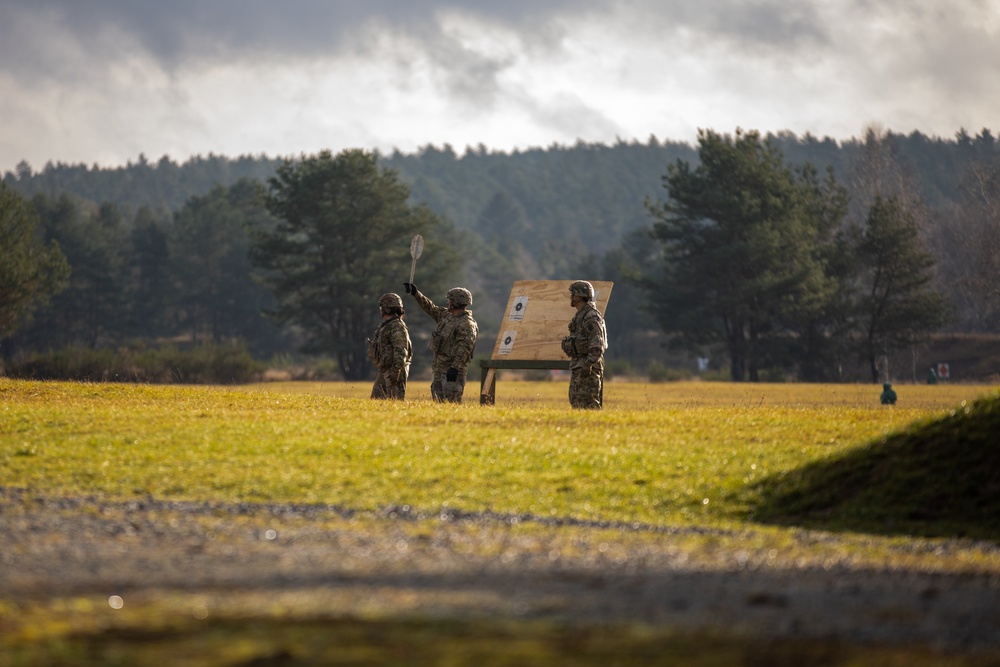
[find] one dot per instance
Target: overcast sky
(103, 81)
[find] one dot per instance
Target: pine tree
(30, 271)
(216, 297)
(341, 239)
(739, 234)
(897, 305)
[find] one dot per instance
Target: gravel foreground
(330, 560)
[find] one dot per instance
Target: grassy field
(674, 453)
(659, 456)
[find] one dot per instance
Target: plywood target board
(537, 319)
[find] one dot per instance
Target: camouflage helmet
(460, 296)
(390, 300)
(582, 288)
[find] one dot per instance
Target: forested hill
(582, 198)
(538, 213)
(595, 192)
(590, 192)
(557, 212)
(163, 184)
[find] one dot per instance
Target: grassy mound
(935, 479)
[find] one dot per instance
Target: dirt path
(395, 561)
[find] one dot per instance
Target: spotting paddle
(416, 249)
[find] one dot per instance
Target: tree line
(738, 248)
(764, 261)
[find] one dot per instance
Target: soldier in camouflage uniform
(390, 349)
(452, 342)
(585, 346)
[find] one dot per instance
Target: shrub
(72, 363)
(324, 368)
(656, 371)
(773, 375)
(229, 363)
(618, 367)
(285, 366)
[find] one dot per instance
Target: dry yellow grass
(664, 456)
(641, 395)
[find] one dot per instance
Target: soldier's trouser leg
(442, 390)
(389, 388)
(453, 390)
(585, 388)
(437, 387)
(379, 389)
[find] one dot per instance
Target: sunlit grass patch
(661, 455)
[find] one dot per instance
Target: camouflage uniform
(390, 350)
(452, 343)
(585, 346)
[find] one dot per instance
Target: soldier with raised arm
(452, 342)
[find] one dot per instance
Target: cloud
(181, 31)
(104, 80)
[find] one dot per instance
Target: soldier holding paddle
(454, 339)
(452, 342)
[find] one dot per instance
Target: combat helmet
(389, 301)
(460, 296)
(582, 288)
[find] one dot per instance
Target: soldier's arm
(399, 346)
(428, 306)
(465, 339)
(595, 341)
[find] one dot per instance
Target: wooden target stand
(535, 322)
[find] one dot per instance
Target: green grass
(686, 455)
(752, 462)
(936, 477)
